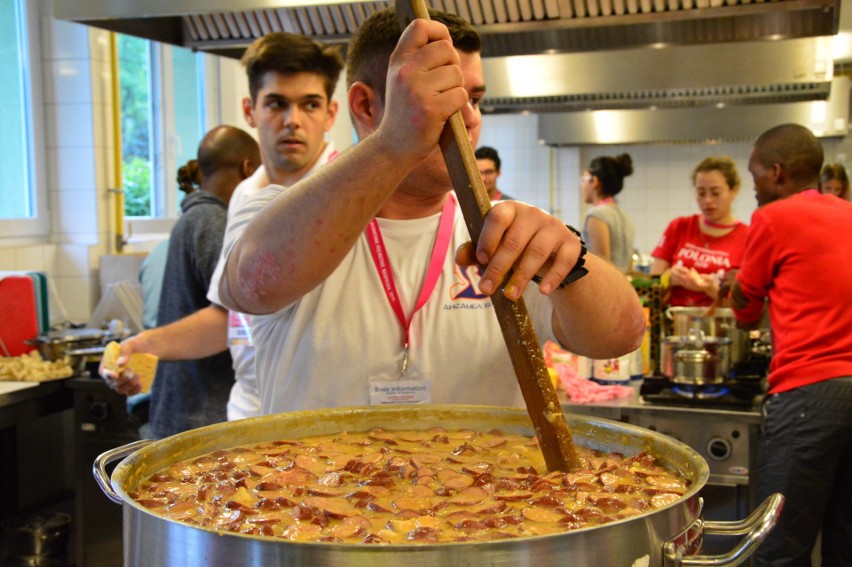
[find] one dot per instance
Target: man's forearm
(746, 307)
(600, 315)
(298, 239)
(202, 334)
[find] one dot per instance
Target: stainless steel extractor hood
(828, 118)
(696, 75)
(547, 55)
(508, 27)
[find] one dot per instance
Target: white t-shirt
(244, 400)
(323, 350)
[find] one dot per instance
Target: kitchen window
(162, 121)
(23, 195)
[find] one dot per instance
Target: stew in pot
(417, 486)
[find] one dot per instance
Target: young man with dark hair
(488, 161)
(291, 82)
(350, 273)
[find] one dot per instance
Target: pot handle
(755, 528)
(99, 466)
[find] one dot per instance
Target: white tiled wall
(531, 172)
(660, 188)
(71, 119)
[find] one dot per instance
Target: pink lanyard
(436, 265)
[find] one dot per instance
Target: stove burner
(737, 394)
(705, 392)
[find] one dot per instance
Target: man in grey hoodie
(192, 393)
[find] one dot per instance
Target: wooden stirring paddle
(539, 394)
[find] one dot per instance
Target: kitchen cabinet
(28, 408)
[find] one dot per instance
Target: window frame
(37, 230)
(14, 232)
(165, 141)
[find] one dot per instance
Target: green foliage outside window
(134, 81)
(137, 187)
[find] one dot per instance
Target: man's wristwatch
(579, 270)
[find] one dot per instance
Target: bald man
(192, 393)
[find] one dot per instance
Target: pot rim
(609, 436)
(686, 339)
(693, 355)
(719, 313)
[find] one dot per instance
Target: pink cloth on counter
(584, 391)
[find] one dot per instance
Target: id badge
(239, 329)
(400, 392)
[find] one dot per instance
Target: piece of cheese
(696, 277)
(143, 365)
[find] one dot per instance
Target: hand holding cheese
(142, 367)
(696, 278)
(690, 278)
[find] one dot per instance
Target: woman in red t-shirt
(697, 250)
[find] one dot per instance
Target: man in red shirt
(799, 255)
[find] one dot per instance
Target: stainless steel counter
(615, 409)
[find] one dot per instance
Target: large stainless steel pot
(722, 323)
(661, 537)
(696, 360)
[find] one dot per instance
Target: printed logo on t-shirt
(465, 286)
(703, 259)
(464, 293)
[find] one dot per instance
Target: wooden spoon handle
(539, 394)
(711, 309)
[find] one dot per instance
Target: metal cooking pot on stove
(696, 360)
(658, 537)
(721, 323)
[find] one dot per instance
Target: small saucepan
(695, 359)
(713, 322)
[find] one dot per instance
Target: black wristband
(579, 270)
